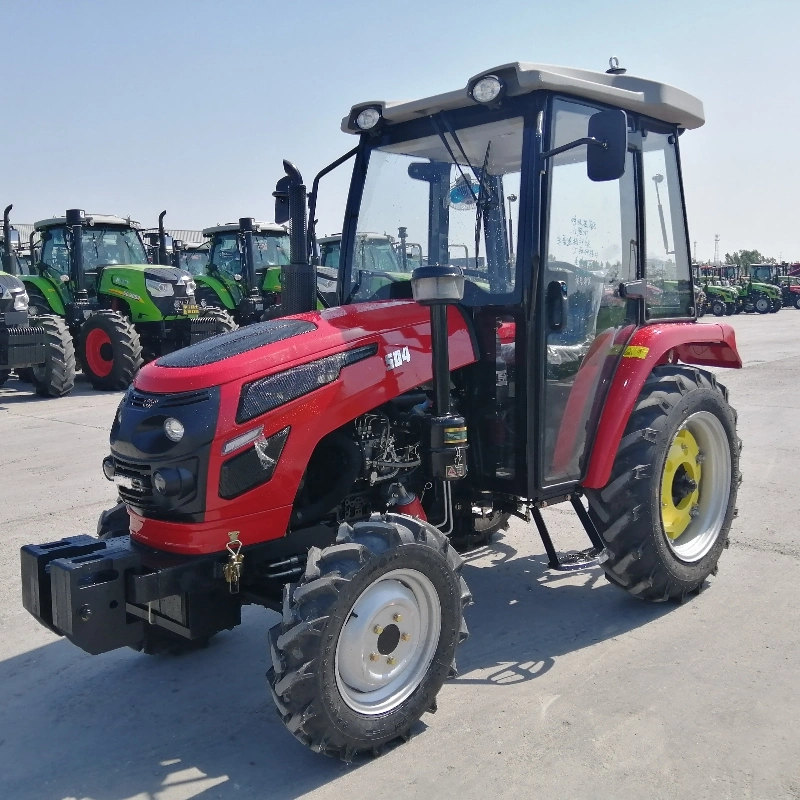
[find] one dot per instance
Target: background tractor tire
(730, 309)
(56, 377)
(797, 302)
(777, 305)
(224, 321)
(718, 308)
(4, 374)
(639, 513)
(110, 351)
(368, 636)
(485, 525)
(763, 305)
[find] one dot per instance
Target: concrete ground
(568, 687)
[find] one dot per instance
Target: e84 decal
(397, 358)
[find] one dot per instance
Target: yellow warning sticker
(635, 352)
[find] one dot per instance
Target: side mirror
(281, 195)
(606, 161)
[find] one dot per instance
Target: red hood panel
(337, 328)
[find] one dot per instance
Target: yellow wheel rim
(680, 484)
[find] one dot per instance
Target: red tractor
(326, 464)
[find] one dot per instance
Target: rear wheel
(667, 510)
(368, 636)
(37, 303)
(486, 522)
(776, 306)
(207, 298)
(730, 309)
(56, 377)
(797, 301)
(4, 374)
(110, 350)
(718, 308)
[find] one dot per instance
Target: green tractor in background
(191, 256)
(721, 298)
(92, 270)
(777, 275)
(763, 298)
(243, 273)
(41, 354)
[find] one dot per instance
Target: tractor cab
(191, 256)
(244, 267)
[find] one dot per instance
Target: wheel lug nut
(405, 636)
(377, 629)
(373, 656)
(398, 617)
(695, 510)
(391, 661)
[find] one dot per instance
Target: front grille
(139, 399)
(140, 493)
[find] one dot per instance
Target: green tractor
(721, 298)
(762, 298)
(92, 270)
(243, 274)
(777, 275)
(41, 354)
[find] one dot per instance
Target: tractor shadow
(124, 725)
(16, 392)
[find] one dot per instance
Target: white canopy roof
(258, 227)
(658, 100)
(91, 219)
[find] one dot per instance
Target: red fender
(397, 327)
(706, 345)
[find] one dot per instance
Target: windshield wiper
(480, 202)
(449, 149)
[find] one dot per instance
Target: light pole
(512, 198)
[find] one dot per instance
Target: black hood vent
(228, 345)
(170, 274)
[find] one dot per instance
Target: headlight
(159, 288)
(173, 429)
(237, 277)
(368, 119)
(487, 89)
(21, 302)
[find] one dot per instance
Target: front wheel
(110, 350)
(667, 510)
(368, 636)
(56, 377)
(718, 308)
(223, 321)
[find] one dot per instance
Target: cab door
(590, 243)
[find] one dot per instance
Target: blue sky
(131, 108)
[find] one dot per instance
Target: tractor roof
(337, 237)
(91, 219)
(658, 100)
(258, 227)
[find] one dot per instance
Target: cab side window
(669, 292)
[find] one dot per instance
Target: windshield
(194, 261)
(101, 246)
(443, 190)
(269, 251)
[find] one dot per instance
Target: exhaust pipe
(75, 219)
(162, 240)
(299, 289)
(249, 271)
(8, 260)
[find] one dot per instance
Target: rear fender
(49, 291)
(711, 345)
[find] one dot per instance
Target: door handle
(557, 303)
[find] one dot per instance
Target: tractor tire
(485, 526)
(797, 302)
(701, 310)
(4, 375)
(272, 312)
(667, 509)
(718, 308)
(37, 303)
(224, 321)
(56, 377)
(110, 351)
(763, 305)
(345, 677)
(730, 309)
(206, 297)
(777, 305)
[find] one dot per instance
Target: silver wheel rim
(388, 642)
(715, 488)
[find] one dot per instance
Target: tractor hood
(400, 331)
